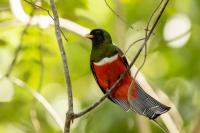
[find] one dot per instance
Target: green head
(101, 44)
(99, 36)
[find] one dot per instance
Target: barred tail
(146, 105)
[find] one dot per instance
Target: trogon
(107, 63)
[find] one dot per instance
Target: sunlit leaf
(6, 90)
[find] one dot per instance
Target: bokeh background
(172, 65)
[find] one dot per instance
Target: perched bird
(107, 64)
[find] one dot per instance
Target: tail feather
(146, 105)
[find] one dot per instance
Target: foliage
(176, 71)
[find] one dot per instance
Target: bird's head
(99, 36)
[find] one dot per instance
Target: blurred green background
(173, 65)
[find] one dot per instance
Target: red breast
(107, 72)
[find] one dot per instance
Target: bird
(108, 63)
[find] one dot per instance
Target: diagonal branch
(113, 87)
(147, 37)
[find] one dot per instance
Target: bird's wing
(95, 77)
(121, 54)
(94, 74)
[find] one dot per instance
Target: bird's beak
(89, 36)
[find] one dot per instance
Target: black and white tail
(146, 105)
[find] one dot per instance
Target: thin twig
(114, 12)
(141, 39)
(41, 60)
(112, 88)
(148, 35)
(18, 49)
(69, 115)
(16, 54)
(35, 121)
(48, 12)
(146, 29)
(152, 15)
(36, 6)
(179, 36)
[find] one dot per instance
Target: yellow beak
(89, 36)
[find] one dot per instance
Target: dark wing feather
(147, 105)
(95, 77)
(122, 103)
(121, 54)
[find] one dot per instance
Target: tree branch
(113, 87)
(147, 37)
(70, 113)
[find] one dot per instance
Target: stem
(18, 49)
(70, 113)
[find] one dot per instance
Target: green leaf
(2, 43)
